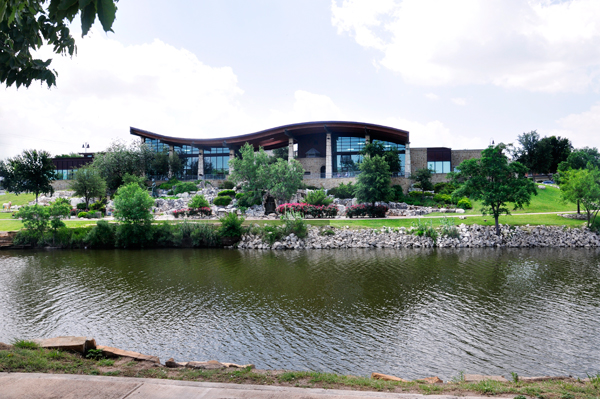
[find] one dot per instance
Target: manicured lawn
(514, 220)
(12, 224)
(547, 200)
(21, 199)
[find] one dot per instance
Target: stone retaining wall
(467, 237)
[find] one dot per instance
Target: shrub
(442, 198)
(99, 205)
(81, 206)
(102, 235)
(132, 204)
(377, 211)
(231, 225)
(444, 188)
(318, 197)
(222, 200)
(170, 192)
(82, 215)
(465, 203)
(230, 193)
(169, 185)
(133, 235)
(449, 228)
(423, 229)
(226, 185)
(205, 235)
(294, 224)
(247, 199)
(184, 187)
(397, 193)
(316, 211)
(203, 211)
(343, 191)
(199, 202)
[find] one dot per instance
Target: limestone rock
(210, 365)
(67, 343)
(238, 366)
(432, 380)
(171, 363)
(116, 352)
(385, 377)
(460, 210)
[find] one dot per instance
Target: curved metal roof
(278, 137)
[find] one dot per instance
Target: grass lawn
(21, 199)
(13, 224)
(547, 200)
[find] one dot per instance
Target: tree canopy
(260, 173)
(541, 155)
(27, 25)
(30, 172)
(582, 186)
(423, 177)
(495, 182)
(88, 183)
(120, 159)
(377, 148)
(373, 182)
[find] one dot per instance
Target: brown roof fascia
(276, 137)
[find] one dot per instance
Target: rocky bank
(474, 236)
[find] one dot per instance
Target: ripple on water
(410, 313)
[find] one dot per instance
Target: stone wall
(462, 155)
(312, 165)
(418, 159)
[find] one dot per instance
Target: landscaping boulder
(116, 352)
(385, 377)
(210, 365)
(65, 343)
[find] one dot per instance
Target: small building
(329, 151)
(67, 165)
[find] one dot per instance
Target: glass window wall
(439, 166)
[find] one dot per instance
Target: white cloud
(459, 101)
(582, 129)
(108, 87)
(307, 107)
(537, 45)
(432, 97)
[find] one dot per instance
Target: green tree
(30, 172)
(282, 153)
(159, 166)
(580, 158)
(373, 183)
(120, 159)
(559, 149)
(175, 164)
(37, 219)
(527, 152)
(140, 181)
(582, 186)
(377, 148)
(88, 183)
(423, 177)
(27, 25)
(258, 174)
(132, 205)
(495, 182)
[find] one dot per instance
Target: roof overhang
(278, 137)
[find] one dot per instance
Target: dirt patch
(5, 347)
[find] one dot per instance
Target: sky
(455, 73)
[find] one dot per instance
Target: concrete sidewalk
(46, 386)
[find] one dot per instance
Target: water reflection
(411, 313)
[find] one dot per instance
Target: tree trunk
(36, 196)
(578, 210)
(496, 217)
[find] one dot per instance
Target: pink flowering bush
(316, 211)
(203, 211)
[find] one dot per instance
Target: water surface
(412, 313)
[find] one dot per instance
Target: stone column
(200, 164)
(328, 159)
(171, 151)
(231, 156)
(407, 166)
(290, 149)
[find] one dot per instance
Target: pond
(411, 313)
